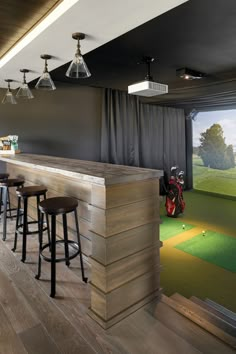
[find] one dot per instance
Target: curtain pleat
(144, 135)
(120, 140)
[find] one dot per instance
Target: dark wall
(65, 122)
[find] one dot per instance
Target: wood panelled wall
(65, 122)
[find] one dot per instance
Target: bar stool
(4, 177)
(23, 227)
(53, 207)
(5, 184)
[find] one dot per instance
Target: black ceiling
(200, 34)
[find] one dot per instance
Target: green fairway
(212, 180)
(171, 227)
(214, 247)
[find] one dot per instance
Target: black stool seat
(31, 191)
(53, 207)
(58, 205)
(4, 175)
(12, 182)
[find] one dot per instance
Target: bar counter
(119, 225)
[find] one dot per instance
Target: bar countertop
(87, 171)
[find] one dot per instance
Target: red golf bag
(174, 199)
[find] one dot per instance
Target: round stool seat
(4, 175)
(31, 191)
(12, 182)
(58, 205)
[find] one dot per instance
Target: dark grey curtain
(140, 134)
(151, 136)
(174, 144)
(120, 138)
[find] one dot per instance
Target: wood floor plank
(140, 333)
(19, 313)
(74, 299)
(37, 341)
(215, 312)
(9, 341)
(191, 332)
(182, 306)
(56, 324)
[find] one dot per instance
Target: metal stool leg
(4, 197)
(25, 230)
(1, 202)
(37, 276)
(80, 253)
(9, 202)
(53, 256)
(47, 221)
(17, 224)
(66, 239)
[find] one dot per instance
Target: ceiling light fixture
(9, 97)
(45, 82)
(78, 68)
(189, 74)
(24, 90)
(147, 88)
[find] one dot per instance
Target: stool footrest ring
(74, 245)
(20, 226)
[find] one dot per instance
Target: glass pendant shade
(45, 81)
(24, 90)
(78, 68)
(9, 97)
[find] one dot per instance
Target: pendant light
(78, 68)
(24, 91)
(9, 97)
(45, 82)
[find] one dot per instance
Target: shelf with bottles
(9, 145)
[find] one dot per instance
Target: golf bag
(174, 199)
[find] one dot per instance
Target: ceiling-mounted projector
(148, 87)
(189, 74)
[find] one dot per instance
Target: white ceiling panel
(100, 20)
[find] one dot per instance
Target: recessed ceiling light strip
(45, 23)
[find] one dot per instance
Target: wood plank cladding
(108, 222)
(19, 17)
(108, 305)
(119, 226)
(120, 272)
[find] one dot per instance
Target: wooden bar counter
(119, 225)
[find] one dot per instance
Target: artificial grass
(214, 247)
(171, 227)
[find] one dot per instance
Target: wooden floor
(32, 322)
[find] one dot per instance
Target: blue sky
(204, 120)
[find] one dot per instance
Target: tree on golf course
(213, 150)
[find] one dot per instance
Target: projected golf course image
(216, 181)
(214, 151)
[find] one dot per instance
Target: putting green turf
(214, 247)
(171, 227)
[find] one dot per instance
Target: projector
(189, 74)
(147, 89)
